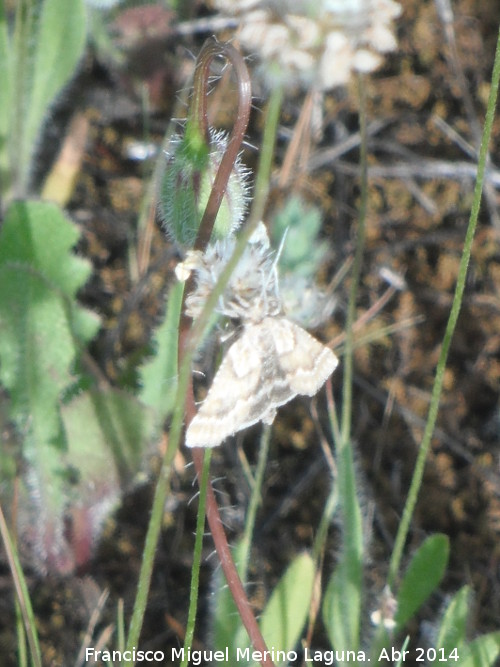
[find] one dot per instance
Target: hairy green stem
(195, 571)
(255, 499)
(228, 567)
(344, 490)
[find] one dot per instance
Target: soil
(423, 107)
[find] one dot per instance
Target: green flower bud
(186, 183)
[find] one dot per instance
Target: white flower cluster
(252, 292)
(317, 43)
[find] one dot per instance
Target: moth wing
(304, 361)
(272, 362)
(227, 406)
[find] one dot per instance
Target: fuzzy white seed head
(252, 292)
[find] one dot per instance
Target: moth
(273, 361)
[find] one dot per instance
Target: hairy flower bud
(188, 177)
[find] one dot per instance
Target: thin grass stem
(416, 482)
(255, 499)
(22, 593)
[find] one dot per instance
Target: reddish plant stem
(213, 48)
(198, 116)
(210, 49)
(229, 568)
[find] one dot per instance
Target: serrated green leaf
(452, 631)
(422, 577)
(42, 508)
(37, 240)
(40, 235)
(39, 277)
(36, 353)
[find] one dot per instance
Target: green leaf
(424, 573)
(301, 253)
(61, 40)
(481, 652)
(39, 277)
(227, 625)
(159, 373)
(6, 88)
(39, 234)
(342, 601)
(286, 613)
(452, 631)
(49, 45)
(107, 433)
(341, 609)
(281, 622)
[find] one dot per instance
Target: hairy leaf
(42, 333)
